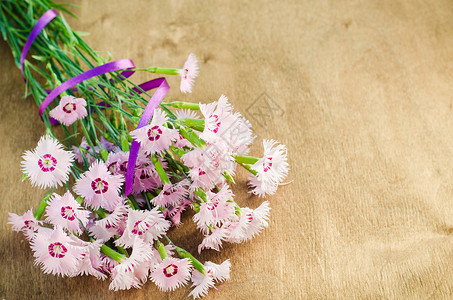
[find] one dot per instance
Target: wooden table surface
(360, 92)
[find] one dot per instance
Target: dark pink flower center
(111, 167)
(136, 230)
(57, 250)
(144, 175)
(47, 163)
(170, 191)
(216, 121)
(68, 213)
(154, 133)
(170, 270)
(30, 224)
(249, 217)
(267, 164)
(69, 108)
(212, 205)
(99, 186)
(201, 172)
(123, 166)
(186, 73)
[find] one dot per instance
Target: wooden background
(359, 91)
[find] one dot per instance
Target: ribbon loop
(113, 66)
(162, 90)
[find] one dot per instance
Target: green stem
(197, 124)
(161, 249)
(184, 105)
(112, 253)
(245, 159)
(42, 206)
(160, 170)
(249, 168)
(195, 262)
(133, 203)
(157, 70)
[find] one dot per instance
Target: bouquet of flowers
(129, 163)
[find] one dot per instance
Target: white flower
(48, 164)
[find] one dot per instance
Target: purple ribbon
(42, 22)
(162, 90)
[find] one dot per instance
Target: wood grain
(359, 91)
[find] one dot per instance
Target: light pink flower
(66, 212)
(174, 213)
(26, 223)
(69, 110)
(236, 134)
(155, 138)
(48, 164)
(188, 73)
(272, 168)
(156, 259)
(171, 194)
(171, 273)
(261, 188)
(145, 224)
(99, 187)
(133, 271)
(117, 162)
(105, 232)
(186, 114)
(55, 252)
(213, 272)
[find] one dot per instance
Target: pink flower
(271, 169)
(208, 164)
(215, 210)
(26, 223)
(171, 273)
(111, 225)
(69, 110)
(213, 272)
(171, 194)
(48, 164)
(66, 212)
(218, 118)
(155, 138)
(54, 251)
(251, 222)
(117, 216)
(215, 239)
(146, 224)
(188, 73)
(133, 271)
(99, 187)
(89, 153)
(90, 263)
